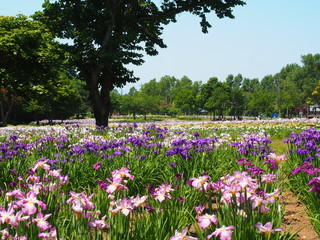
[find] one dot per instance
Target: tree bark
(99, 88)
(5, 114)
(2, 114)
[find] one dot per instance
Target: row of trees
(285, 93)
(35, 81)
(43, 78)
(105, 36)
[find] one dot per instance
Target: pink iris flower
(99, 223)
(20, 217)
(162, 192)
(64, 179)
(199, 209)
(276, 157)
(28, 203)
(41, 221)
(206, 220)
(117, 181)
(122, 172)
(268, 178)
(6, 235)
(200, 182)
(267, 228)
(41, 164)
(138, 201)
(15, 193)
(33, 178)
(273, 196)
(9, 216)
(81, 199)
(55, 173)
(50, 235)
(225, 233)
(125, 206)
(80, 202)
(257, 201)
(182, 235)
(116, 184)
(97, 165)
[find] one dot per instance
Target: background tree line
(35, 80)
(38, 80)
(286, 93)
(104, 37)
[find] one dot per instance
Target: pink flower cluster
(80, 202)
(117, 181)
(241, 188)
(126, 205)
(239, 191)
(25, 207)
(162, 192)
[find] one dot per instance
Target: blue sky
(265, 36)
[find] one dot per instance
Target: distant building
(313, 111)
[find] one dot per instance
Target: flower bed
(188, 180)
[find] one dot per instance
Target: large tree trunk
(99, 88)
(5, 114)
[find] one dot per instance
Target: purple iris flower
(306, 167)
(309, 159)
(179, 176)
(97, 165)
(301, 151)
(149, 208)
(196, 134)
(181, 199)
(272, 163)
(13, 138)
(78, 150)
(117, 153)
(255, 171)
(13, 171)
(244, 162)
(315, 183)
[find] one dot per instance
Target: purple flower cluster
(306, 144)
(306, 167)
(253, 144)
(11, 149)
(307, 148)
(186, 147)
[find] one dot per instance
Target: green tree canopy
(260, 102)
(206, 92)
(29, 56)
(109, 34)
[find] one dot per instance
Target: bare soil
(296, 219)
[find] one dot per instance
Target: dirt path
(296, 219)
